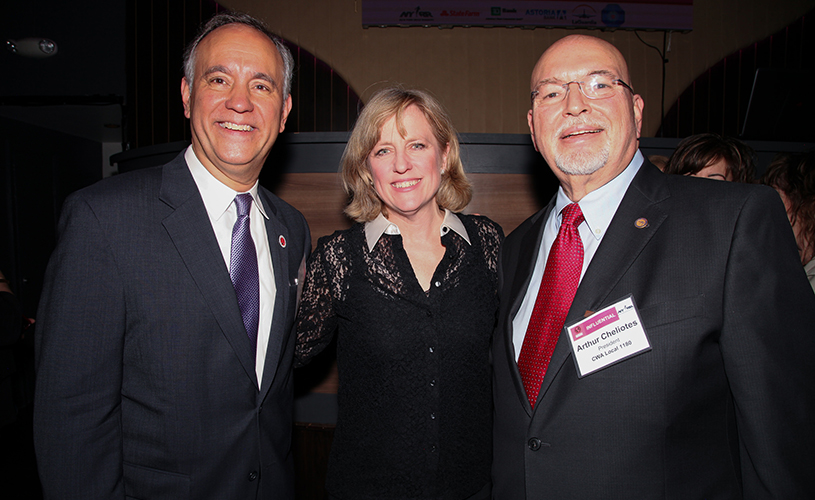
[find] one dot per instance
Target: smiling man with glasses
(655, 331)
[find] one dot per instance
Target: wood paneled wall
(508, 199)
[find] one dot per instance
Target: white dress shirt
(598, 207)
(219, 202)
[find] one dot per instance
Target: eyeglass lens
(594, 87)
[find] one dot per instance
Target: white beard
(582, 163)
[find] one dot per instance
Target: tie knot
(243, 202)
(572, 214)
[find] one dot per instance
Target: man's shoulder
(119, 198)
(693, 195)
(134, 184)
(122, 188)
(292, 217)
(697, 194)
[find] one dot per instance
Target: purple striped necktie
(243, 268)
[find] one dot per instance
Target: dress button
(252, 475)
(433, 383)
(430, 349)
(438, 284)
(433, 449)
(432, 416)
(534, 444)
(429, 314)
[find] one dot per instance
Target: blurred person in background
(659, 161)
(713, 156)
(793, 176)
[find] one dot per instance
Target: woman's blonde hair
(455, 191)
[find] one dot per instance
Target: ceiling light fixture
(32, 47)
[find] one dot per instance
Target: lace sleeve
(491, 235)
(315, 318)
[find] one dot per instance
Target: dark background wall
(91, 39)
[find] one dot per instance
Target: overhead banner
(674, 15)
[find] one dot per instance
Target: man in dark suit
(695, 378)
(164, 341)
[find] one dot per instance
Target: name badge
(607, 337)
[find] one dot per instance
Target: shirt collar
(809, 267)
(217, 196)
(376, 228)
(600, 205)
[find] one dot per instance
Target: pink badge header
(596, 321)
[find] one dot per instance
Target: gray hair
(226, 18)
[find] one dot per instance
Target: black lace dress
(415, 393)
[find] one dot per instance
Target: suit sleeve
(767, 345)
(79, 344)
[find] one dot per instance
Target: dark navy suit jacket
(146, 384)
(722, 405)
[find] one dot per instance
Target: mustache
(580, 122)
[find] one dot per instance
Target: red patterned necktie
(559, 284)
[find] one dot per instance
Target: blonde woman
(410, 292)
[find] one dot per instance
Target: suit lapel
(191, 232)
(280, 329)
(527, 257)
(620, 247)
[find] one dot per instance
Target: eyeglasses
(596, 87)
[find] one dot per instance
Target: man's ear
(639, 104)
(185, 96)
(284, 113)
(532, 129)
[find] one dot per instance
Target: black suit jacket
(146, 384)
(721, 407)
